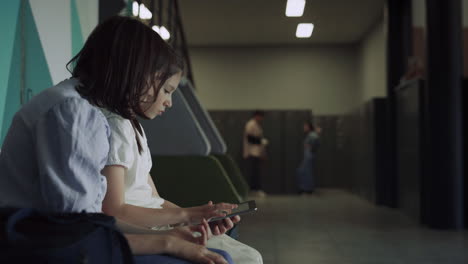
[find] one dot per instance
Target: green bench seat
(234, 174)
(193, 180)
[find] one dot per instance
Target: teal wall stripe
(129, 8)
(13, 103)
(8, 23)
(77, 34)
(37, 74)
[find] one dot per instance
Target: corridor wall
(284, 131)
(411, 146)
(361, 150)
(38, 38)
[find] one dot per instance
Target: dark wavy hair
(121, 60)
(310, 125)
(258, 113)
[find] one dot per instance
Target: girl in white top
(132, 196)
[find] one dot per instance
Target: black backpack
(30, 236)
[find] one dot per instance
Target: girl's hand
(203, 229)
(198, 234)
(195, 234)
(195, 215)
(193, 252)
(222, 226)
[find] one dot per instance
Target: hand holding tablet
(243, 208)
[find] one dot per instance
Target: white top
(124, 152)
(253, 128)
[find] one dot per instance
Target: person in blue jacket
(305, 172)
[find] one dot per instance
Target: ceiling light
(295, 8)
(144, 12)
(304, 30)
(162, 31)
(156, 29)
(135, 8)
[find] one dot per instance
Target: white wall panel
(321, 78)
(53, 23)
(88, 11)
(419, 13)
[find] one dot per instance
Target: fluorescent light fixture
(135, 8)
(156, 29)
(162, 31)
(304, 30)
(144, 12)
(295, 8)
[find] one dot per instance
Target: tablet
(243, 208)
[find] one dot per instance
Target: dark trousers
(254, 168)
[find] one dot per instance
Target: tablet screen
(242, 208)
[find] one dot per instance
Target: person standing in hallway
(254, 151)
(415, 69)
(305, 172)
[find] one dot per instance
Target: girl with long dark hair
(55, 151)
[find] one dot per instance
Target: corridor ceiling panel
(263, 22)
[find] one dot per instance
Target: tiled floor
(334, 226)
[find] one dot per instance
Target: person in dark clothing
(254, 151)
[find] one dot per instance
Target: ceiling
(263, 22)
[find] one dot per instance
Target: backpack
(31, 236)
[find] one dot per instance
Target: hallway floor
(334, 226)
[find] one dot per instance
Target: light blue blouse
(53, 154)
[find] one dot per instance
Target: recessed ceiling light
(304, 30)
(135, 8)
(144, 12)
(295, 8)
(162, 31)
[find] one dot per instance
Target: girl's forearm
(149, 244)
(168, 204)
(128, 228)
(150, 217)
